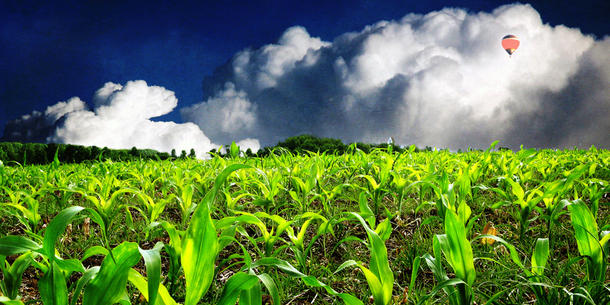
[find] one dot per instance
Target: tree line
(38, 153)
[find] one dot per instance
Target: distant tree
(163, 156)
(94, 153)
(104, 154)
(173, 154)
(192, 154)
(183, 154)
(14, 151)
(71, 153)
(3, 155)
(134, 152)
(303, 143)
(36, 153)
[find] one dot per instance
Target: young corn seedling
(52, 286)
(304, 188)
(525, 201)
(591, 244)
(200, 246)
(299, 247)
(245, 284)
(24, 206)
(378, 275)
(267, 188)
(245, 287)
(378, 182)
(12, 274)
(458, 252)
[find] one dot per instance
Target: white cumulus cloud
(439, 79)
(121, 118)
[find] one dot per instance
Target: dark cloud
(439, 79)
(576, 115)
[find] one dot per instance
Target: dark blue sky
(52, 51)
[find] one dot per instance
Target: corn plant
(267, 188)
(378, 275)
(304, 188)
(52, 285)
(25, 207)
(378, 181)
(590, 244)
(12, 273)
(596, 190)
(300, 248)
(244, 285)
(200, 243)
(458, 252)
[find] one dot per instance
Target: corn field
(478, 227)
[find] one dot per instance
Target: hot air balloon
(510, 43)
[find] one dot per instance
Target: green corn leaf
(377, 288)
(140, 283)
(252, 296)
(379, 277)
(82, 281)
(109, 284)
(458, 247)
(220, 179)
(514, 255)
(271, 287)
(12, 277)
(152, 260)
(200, 243)
(52, 286)
(384, 229)
(365, 210)
(58, 225)
(308, 280)
(234, 150)
(516, 189)
(175, 239)
(585, 231)
(199, 250)
(492, 146)
(95, 250)
(235, 285)
(540, 256)
(448, 286)
(439, 246)
(371, 180)
(70, 265)
(464, 212)
(414, 271)
(6, 301)
(11, 245)
(605, 237)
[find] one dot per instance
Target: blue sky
(52, 50)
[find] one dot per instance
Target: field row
(492, 227)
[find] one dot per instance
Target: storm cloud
(439, 79)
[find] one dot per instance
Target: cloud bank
(440, 79)
(120, 119)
